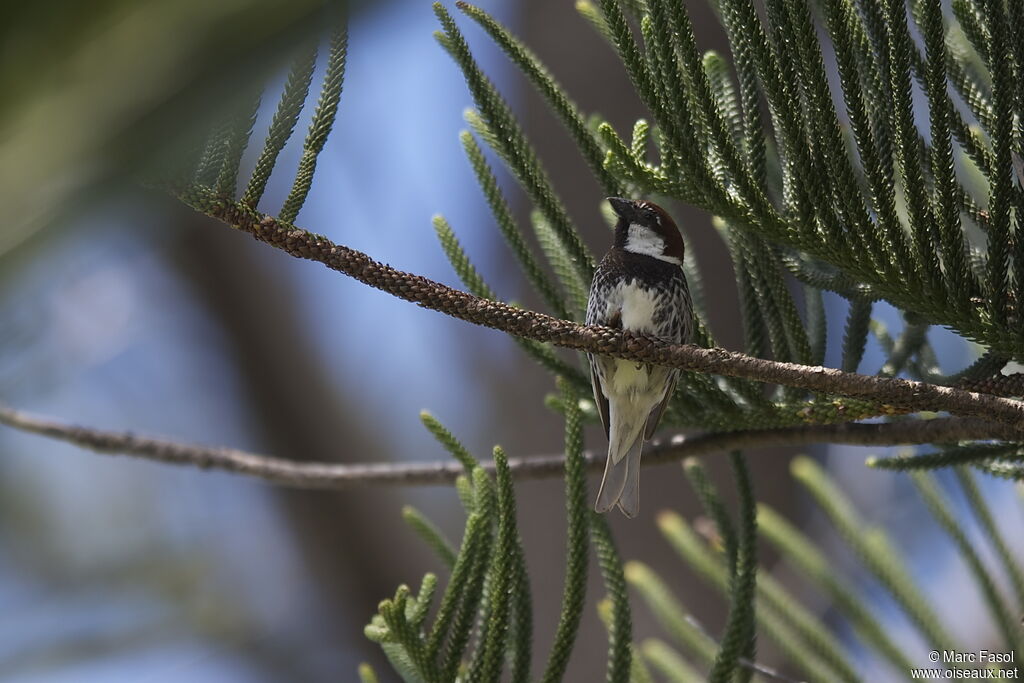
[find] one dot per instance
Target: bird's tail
(621, 482)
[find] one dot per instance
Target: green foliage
(929, 491)
(497, 125)
(805, 639)
(576, 542)
(670, 614)
(685, 541)
(872, 544)
(217, 164)
(561, 261)
(619, 623)
(809, 560)
(430, 534)
(293, 96)
(738, 642)
(233, 146)
(495, 616)
(488, 594)
(323, 120)
(984, 518)
(668, 662)
(977, 455)
(486, 559)
(809, 194)
(509, 230)
(552, 92)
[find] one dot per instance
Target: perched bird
(638, 286)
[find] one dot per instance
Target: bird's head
(646, 228)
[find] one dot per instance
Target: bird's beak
(623, 207)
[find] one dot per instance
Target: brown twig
(339, 476)
(1000, 385)
(904, 394)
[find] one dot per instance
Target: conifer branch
(325, 475)
(904, 394)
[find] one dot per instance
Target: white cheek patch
(641, 240)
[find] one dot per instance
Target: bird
(638, 286)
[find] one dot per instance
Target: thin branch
(321, 475)
(904, 394)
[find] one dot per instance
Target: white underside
(627, 380)
(637, 305)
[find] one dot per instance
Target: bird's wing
(655, 417)
(596, 317)
(599, 398)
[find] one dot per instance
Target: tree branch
(904, 394)
(339, 476)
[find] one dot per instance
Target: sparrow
(638, 286)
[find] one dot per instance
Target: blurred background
(122, 309)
